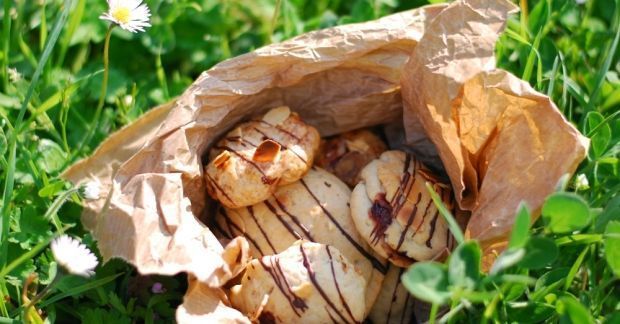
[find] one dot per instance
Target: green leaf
(565, 212)
(611, 212)
(549, 282)
(551, 277)
(601, 138)
(51, 189)
(531, 312)
(464, 265)
(514, 291)
(612, 246)
(613, 318)
(506, 260)
(51, 156)
(520, 229)
(428, 281)
(573, 312)
(539, 252)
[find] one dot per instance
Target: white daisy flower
(131, 15)
(91, 190)
(74, 256)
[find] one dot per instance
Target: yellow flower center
(121, 15)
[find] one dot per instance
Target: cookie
(252, 160)
(315, 209)
(345, 155)
(306, 283)
(394, 212)
(394, 303)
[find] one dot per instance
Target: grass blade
(74, 22)
(531, 58)
(6, 43)
(10, 172)
(80, 289)
(575, 268)
(600, 78)
(452, 224)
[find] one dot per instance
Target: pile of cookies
(323, 252)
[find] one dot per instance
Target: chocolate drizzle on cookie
(412, 215)
(312, 275)
(260, 228)
(374, 261)
(274, 269)
(284, 223)
(266, 137)
(265, 178)
(230, 224)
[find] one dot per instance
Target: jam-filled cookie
(394, 212)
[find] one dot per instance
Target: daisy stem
(104, 90)
(43, 292)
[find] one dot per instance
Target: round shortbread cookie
(249, 163)
(394, 212)
(306, 283)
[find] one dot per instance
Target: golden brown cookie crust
(314, 208)
(306, 283)
(394, 212)
(253, 159)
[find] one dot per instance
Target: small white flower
(14, 76)
(74, 256)
(131, 15)
(580, 1)
(92, 190)
(581, 182)
(127, 100)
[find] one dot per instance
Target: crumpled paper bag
(500, 141)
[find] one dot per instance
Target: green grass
(50, 79)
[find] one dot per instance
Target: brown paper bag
(500, 141)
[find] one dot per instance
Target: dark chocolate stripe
(295, 305)
(260, 228)
(394, 295)
(298, 303)
(282, 130)
(434, 220)
(227, 148)
(412, 215)
(213, 182)
(428, 205)
(344, 302)
(432, 231)
(222, 231)
(405, 308)
(282, 145)
(318, 287)
(399, 198)
(240, 140)
(330, 315)
(248, 237)
(295, 220)
(284, 223)
(375, 263)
